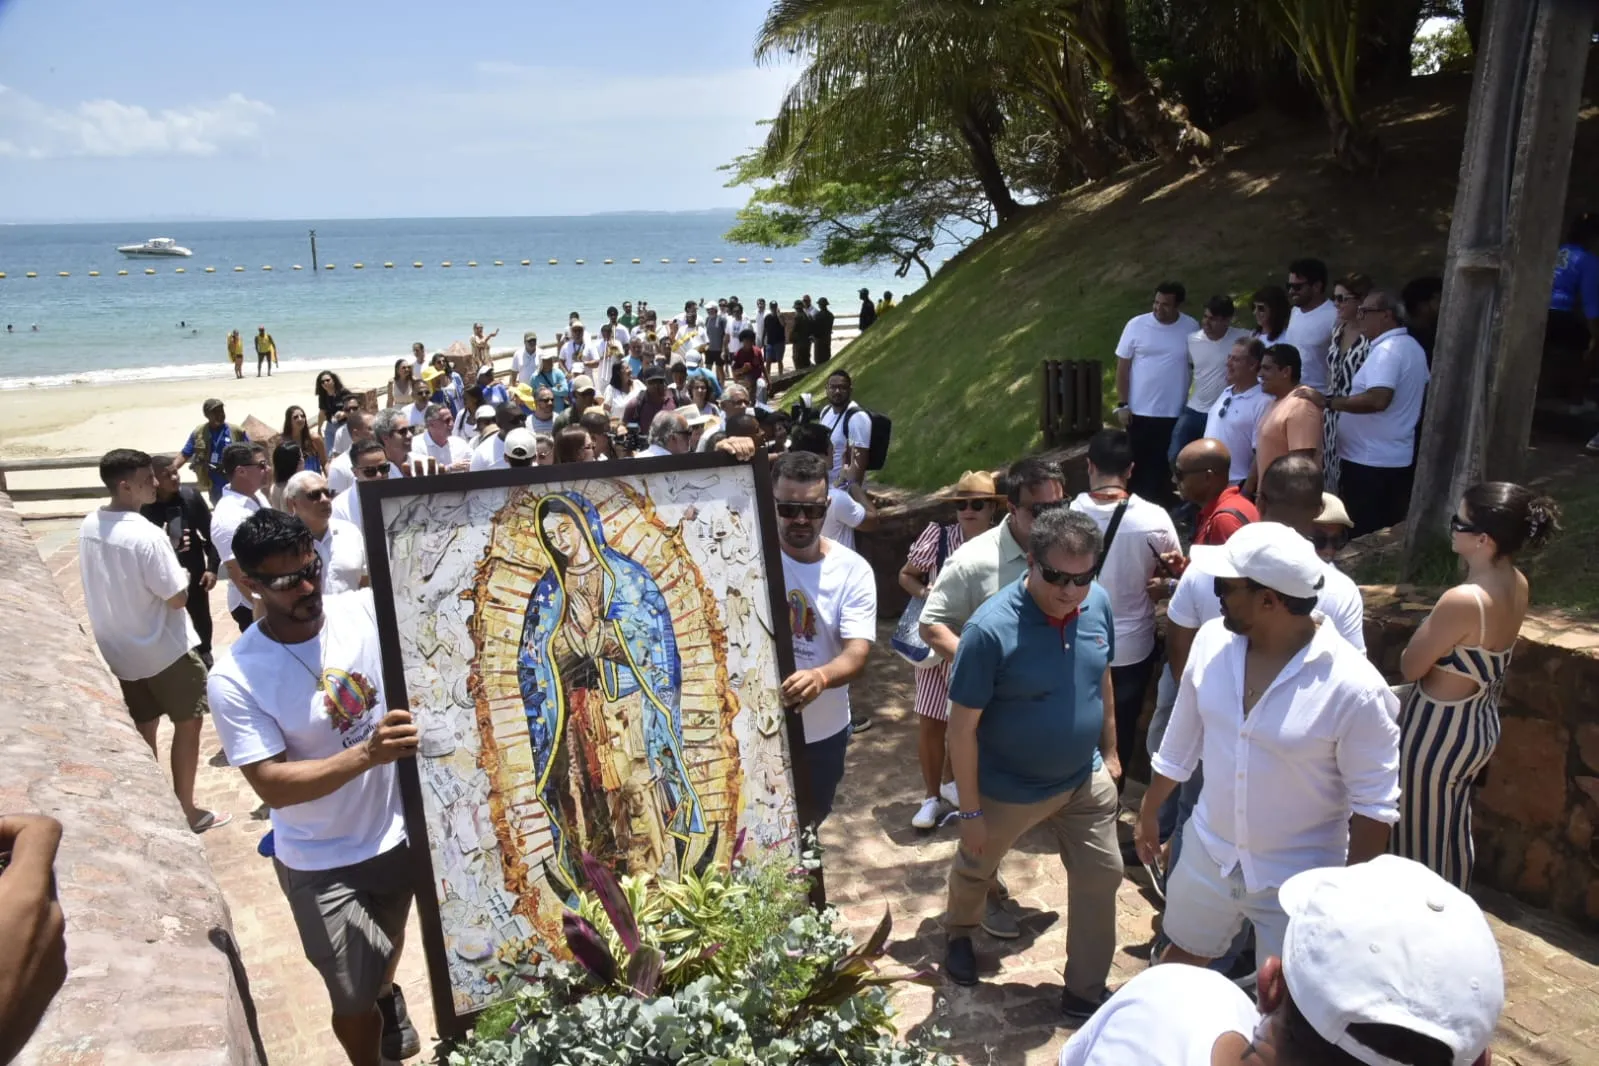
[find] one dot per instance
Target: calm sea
(171, 325)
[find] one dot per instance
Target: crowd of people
(1040, 611)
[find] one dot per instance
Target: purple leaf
(644, 970)
(710, 952)
(874, 946)
(603, 883)
(588, 948)
(738, 846)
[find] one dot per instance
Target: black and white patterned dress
(1341, 370)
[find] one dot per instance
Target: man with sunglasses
(300, 710)
(437, 442)
(1299, 736)
(832, 602)
(1235, 416)
(339, 543)
(248, 472)
(1032, 739)
(1312, 320)
(340, 472)
(369, 462)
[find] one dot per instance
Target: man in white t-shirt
(340, 475)
(832, 603)
(1208, 349)
(339, 543)
(1235, 416)
(1312, 321)
(135, 592)
(1152, 388)
(490, 455)
(1384, 963)
(299, 706)
(437, 442)
(341, 436)
(1130, 557)
(574, 353)
(369, 463)
(525, 363)
(248, 472)
(847, 505)
(847, 424)
(1377, 421)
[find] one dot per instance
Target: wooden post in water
(316, 264)
(1508, 208)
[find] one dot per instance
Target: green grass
(956, 366)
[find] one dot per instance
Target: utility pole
(316, 264)
(1520, 129)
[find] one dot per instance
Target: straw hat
(976, 483)
(1333, 512)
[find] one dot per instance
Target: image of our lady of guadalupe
(601, 680)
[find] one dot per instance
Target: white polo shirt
(1207, 363)
(1320, 744)
(1158, 387)
(1235, 421)
(1386, 438)
(1311, 332)
(343, 552)
(1171, 1015)
(1128, 567)
(1194, 602)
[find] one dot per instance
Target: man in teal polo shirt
(1032, 738)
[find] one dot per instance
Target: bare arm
(940, 638)
(1366, 403)
(1107, 731)
(1368, 838)
(281, 783)
(180, 601)
(914, 582)
(1453, 620)
(962, 738)
(1124, 379)
(803, 686)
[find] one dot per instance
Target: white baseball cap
(1270, 554)
(521, 444)
(486, 411)
(692, 358)
(1389, 942)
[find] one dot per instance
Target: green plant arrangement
(728, 967)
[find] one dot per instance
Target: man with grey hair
(392, 430)
(1032, 739)
(669, 435)
(437, 442)
(735, 401)
(338, 542)
(341, 476)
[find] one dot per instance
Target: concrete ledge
(154, 974)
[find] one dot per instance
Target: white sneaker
(927, 814)
(950, 793)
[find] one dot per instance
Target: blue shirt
(555, 381)
(710, 379)
(1040, 691)
(496, 394)
(1576, 281)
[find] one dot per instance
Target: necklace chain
(316, 676)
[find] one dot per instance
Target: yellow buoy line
(416, 264)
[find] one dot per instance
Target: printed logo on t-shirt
(801, 616)
(347, 697)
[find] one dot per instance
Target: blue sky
(161, 109)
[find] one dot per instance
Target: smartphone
(1160, 564)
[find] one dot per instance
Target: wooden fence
(1073, 400)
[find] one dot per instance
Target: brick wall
(153, 972)
(1533, 819)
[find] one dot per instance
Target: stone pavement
(873, 859)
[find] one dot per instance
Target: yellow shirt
(264, 345)
(235, 346)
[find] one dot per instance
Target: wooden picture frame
(635, 495)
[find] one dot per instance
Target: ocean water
(111, 329)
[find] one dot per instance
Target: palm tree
(1326, 37)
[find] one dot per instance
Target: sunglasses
(1295, 286)
(1323, 541)
(1227, 401)
(970, 505)
(311, 572)
(1460, 525)
(814, 511)
(1224, 587)
(1344, 298)
(1062, 578)
(1038, 510)
(318, 495)
(373, 471)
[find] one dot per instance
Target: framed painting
(593, 654)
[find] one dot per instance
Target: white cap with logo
(521, 444)
(1269, 554)
(1389, 942)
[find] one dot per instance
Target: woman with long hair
(297, 430)
(287, 460)
(623, 387)
(572, 445)
(1458, 658)
(1346, 354)
(1271, 313)
(977, 508)
(402, 390)
(329, 397)
(699, 394)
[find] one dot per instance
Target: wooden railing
(72, 492)
(1073, 404)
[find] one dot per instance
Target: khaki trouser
(1083, 822)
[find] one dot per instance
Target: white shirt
(1194, 602)
(829, 602)
(490, 455)
(524, 364)
(844, 515)
(1207, 363)
(1311, 332)
(620, 333)
(1164, 1016)
(341, 440)
(453, 450)
(343, 552)
(129, 571)
(1320, 744)
(1158, 387)
(1128, 568)
(616, 399)
(347, 507)
(852, 428)
(312, 701)
(1235, 421)
(341, 474)
(226, 518)
(1386, 438)
(415, 413)
(573, 355)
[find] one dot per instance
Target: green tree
(1326, 37)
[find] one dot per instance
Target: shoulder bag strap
(1110, 535)
(943, 549)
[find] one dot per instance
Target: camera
(627, 440)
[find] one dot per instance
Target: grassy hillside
(957, 365)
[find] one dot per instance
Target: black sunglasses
(1323, 541)
(317, 495)
(1460, 525)
(311, 572)
(373, 471)
(1062, 578)
(970, 505)
(814, 511)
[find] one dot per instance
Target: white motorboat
(155, 248)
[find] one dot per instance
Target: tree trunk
(980, 143)
(1354, 148)
(1100, 26)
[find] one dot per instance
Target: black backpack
(882, 427)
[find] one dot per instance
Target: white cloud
(111, 129)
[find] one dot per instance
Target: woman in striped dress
(1346, 354)
(977, 505)
(1458, 659)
